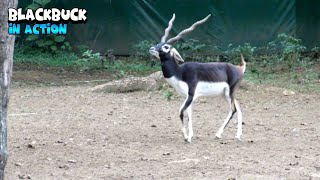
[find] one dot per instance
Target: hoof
(187, 140)
(238, 138)
(218, 136)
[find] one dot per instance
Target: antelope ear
(174, 53)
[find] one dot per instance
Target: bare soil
(69, 132)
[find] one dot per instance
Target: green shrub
(233, 53)
(48, 43)
(168, 94)
(89, 60)
(141, 49)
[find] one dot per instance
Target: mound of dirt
(149, 83)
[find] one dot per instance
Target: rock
(294, 164)
(31, 145)
(17, 164)
(64, 167)
(72, 161)
(288, 93)
(22, 176)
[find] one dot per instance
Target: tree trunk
(6, 59)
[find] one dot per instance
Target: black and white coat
(193, 80)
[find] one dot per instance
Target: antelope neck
(170, 68)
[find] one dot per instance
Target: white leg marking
(239, 130)
(183, 129)
(228, 99)
(189, 112)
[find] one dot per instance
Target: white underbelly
(211, 88)
(202, 89)
(180, 86)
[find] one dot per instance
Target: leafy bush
(233, 53)
(49, 43)
(89, 59)
(192, 50)
(80, 49)
(141, 52)
(38, 4)
(191, 45)
(287, 49)
(141, 49)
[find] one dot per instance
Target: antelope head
(165, 48)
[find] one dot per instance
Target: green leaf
(53, 47)
(67, 44)
(59, 38)
(33, 6)
(40, 43)
(63, 47)
(42, 2)
(32, 37)
(48, 42)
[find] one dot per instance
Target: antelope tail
(242, 64)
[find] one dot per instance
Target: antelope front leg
(190, 128)
(183, 129)
(239, 129)
(187, 106)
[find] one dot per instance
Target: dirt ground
(68, 132)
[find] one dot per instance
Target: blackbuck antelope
(193, 79)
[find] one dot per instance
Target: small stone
(153, 126)
(64, 166)
(72, 161)
(31, 146)
(288, 93)
(60, 141)
(17, 164)
(294, 164)
(24, 176)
